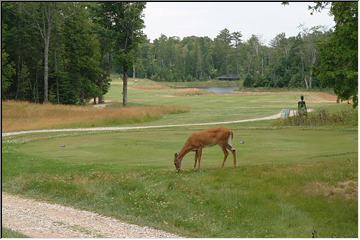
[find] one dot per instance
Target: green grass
(8, 233)
(130, 176)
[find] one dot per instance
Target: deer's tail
(230, 138)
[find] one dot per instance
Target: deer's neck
(184, 151)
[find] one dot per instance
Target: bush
(322, 117)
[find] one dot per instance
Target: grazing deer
(210, 137)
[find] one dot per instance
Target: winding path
(275, 116)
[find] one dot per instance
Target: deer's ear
(176, 154)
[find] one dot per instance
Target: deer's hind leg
(233, 151)
(225, 155)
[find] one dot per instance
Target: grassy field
(288, 182)
(208, 107)
(155, 103)
(8, 233)
(291, 181)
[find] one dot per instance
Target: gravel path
(275, 116)
(40, 219)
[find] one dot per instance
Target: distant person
(302, 110)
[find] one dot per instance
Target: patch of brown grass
(189, 92)
(148, 87)
(309, 96)
(346, 189)
(18, 115)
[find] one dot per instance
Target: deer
(206, 138)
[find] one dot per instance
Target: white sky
(208, 19)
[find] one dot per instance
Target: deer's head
(177, 162)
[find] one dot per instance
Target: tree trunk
(125, 80)
(57, 80)
(34, 90)
(18, 73)
(46, 69)
(100, 96)
(47, 24)
(306, 82)
(134, 75)
(95, 100)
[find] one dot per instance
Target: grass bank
(25, 116)
(8, 233)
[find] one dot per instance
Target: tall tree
(82, 56)
(338, 67)
(42, 15)
(105, 35)
(126, 21)
(8, 70)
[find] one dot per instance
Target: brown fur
(210, 137)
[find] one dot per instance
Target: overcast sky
(207, 19)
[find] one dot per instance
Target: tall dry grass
(17, 115)
(322, 117)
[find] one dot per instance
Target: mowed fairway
(208, 107)
(290, 181)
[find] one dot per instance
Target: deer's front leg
(199, 153)
(225, 155)
(196, 156)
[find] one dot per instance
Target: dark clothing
(302, 110)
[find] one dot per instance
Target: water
(219, 89)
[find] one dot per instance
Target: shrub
(322, 117)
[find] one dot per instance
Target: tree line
(286, 62)
(65, 52)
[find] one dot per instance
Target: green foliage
(124, 22)
(288, 62)
(77, 70)
(82, 52)
(338, 66)
(8, 71)
(248, 82)
(8, 233)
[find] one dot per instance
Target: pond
(219, 89)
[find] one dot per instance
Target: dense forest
(287, 62)
(64, 52)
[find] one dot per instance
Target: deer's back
(209, 137)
